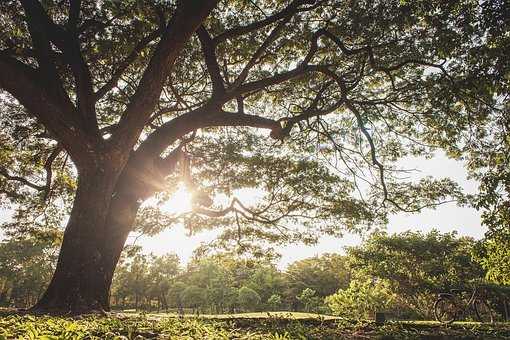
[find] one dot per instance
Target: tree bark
(102, 217)
(100, 221)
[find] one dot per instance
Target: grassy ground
(255, 315)
(276, 326)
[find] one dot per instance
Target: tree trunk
(93, 241)
(104, 210)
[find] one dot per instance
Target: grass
(253, 315)
(253, 326)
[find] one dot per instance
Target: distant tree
(266, 279)
(223, 274)
(162, 272)
(230, 299)
(26, 265)
(324, 274)
(175, 295)
(133, 283)
(248, 299)
(215, 278)
(194, 297)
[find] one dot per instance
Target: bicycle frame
(462, 307)
(460, 303)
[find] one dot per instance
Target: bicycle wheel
(483, 311)
(445, 310)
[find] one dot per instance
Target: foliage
(494, 256)
(479, 133)
(274, 301)
(406, 264)
(362, 298)
(193, 297)
(111, 103)
(248, 299)
(175, 294)
(309, 300)
(417, 265)
(25, 269)
(352, 87)
(268, 328)
(489, 162)
(323, 274)
(133, 280)
(222, 283)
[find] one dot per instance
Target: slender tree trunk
(163, 300)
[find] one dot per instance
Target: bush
(274, 301)
(362, 298)
(309, 300)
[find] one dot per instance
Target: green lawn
(276, 325)
(256, 315)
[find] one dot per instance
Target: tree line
(400, 274)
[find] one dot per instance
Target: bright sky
(446, 218)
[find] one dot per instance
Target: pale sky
(445, 218)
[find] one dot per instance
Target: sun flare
(179, 202)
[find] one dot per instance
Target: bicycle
(450, 307)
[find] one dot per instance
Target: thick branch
(253, 60)
(305, 115)
(40, 39)
(188, 17)
(20, 179)
(204, 117)
(49, 171)
(340, 43)
(74, 15)
(279, 78)
(299, 71)
(27, 86)
(211, 61)
(43, 31)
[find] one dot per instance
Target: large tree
(113, 102)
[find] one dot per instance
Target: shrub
(363, 297)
